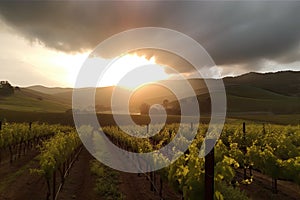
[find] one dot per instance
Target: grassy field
(269, 118)
(31, 101)
(107, 119)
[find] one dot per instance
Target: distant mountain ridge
(285, 82)
(277, 92)
(49, 90)
(282, 82)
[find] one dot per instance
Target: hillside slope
(253, 93)
(29, 100)
(285, 83)
(49, 90)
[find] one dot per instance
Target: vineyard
(19, 138)
(272, 150)
(242, 152)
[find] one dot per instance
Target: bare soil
(261, 188)
(17, 183)
(138, 187)
(80, 183)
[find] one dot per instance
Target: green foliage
(144, 108)
(272, 149)
(15, 133)
(230, 193)
(56, 151)
(6, 89)
(186, 174)
(107, 181)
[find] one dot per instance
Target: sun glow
(124, 71)
(69, 65)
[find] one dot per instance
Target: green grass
(30, 101)
(283, 105)
(293, 119)
(254, 93)
(107, 119)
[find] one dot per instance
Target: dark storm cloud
(231, 32)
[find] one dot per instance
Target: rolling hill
(284, 83)
(49, 90)
(277, 93)
(25, 99)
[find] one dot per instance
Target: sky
(46, 43)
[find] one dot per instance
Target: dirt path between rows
(20, 184)
(261, 188)
(80, 183)
(7, 168)
(138, 188)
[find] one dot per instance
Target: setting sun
(124, 71)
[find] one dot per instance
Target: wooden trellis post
(209, 169)
(244, 149)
